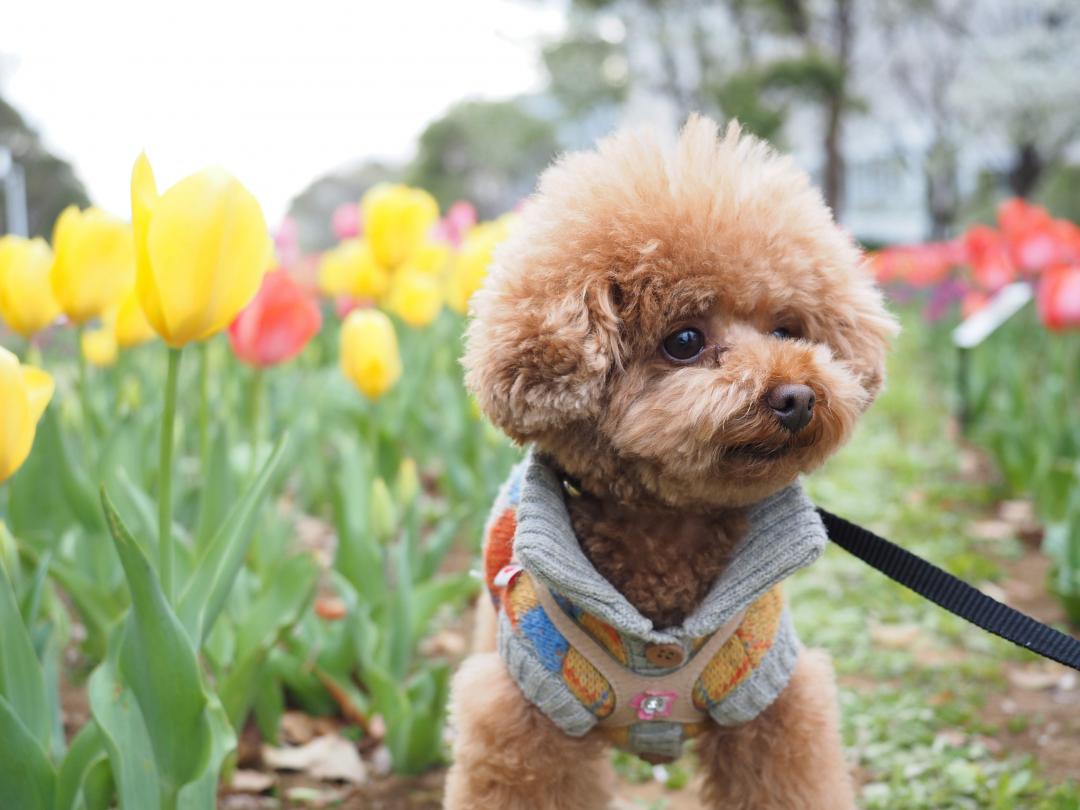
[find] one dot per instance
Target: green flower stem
(258, 386)
(204, 404)
(168, 418)
(84, 390)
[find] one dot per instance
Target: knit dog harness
(584, 656)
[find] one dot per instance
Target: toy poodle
(676, 335)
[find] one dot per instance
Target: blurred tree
(51, 184)
(808, 61)
(488, 152)
(1019, 84)
(754, 60)
(925, 57)
(313, 208)
(586, 71)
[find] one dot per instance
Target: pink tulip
(277, 324)
(287, 242)
(458, 220)
(345, 221)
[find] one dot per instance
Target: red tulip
(277, 324)
(1059, 297)
(917, 265)
(989, 258)
(1031, 235)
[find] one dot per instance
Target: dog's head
(691, 329)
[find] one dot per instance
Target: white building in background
(1013, 75)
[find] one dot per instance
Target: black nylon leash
(953, 594)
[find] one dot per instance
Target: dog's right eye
(686, 344)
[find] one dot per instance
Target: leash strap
(953, 594)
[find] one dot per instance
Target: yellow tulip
(94, 262)
(473, 259)
(201, 251)
(415, 297)
(396, 221)
(335, 273)
(369, 352)
(129, 323)
(351, 269)
(25, 392)
(27, 303)
(99, 346)
(430, 257)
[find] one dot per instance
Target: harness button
(664, 655)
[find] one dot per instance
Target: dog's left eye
(686, 344)
(782, 333)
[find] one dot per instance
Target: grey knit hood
(784, 534)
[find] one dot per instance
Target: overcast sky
(275, 92)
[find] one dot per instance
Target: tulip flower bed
(218, 500)
(1023, 397)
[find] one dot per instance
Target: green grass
(911, 711)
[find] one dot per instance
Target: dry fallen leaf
(952, 737)
(329, 758)
(245, 781)
(896, 636)
(991, 529)
(1037, 678)
(297, 728)
(1019, 513)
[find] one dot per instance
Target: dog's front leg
(509, 756)
(788, 758)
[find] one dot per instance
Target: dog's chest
(664, 563)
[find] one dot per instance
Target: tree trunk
(1027, 170)
(942, 190)
(835, 107)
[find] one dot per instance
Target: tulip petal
(144, 197)
(208, 248)
(16, 422)
(27, 303)
(94, 263)
(369, 352)
(39, 389)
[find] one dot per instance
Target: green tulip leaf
(87, 749)
(201, 794)
(124, 733)
(216, 491)
(158, 662)
(288, 594)
(217, 568)
(27, 778)
(22, 679)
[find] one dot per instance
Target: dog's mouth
(773, 449)
(758, 452)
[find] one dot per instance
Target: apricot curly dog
(677, 336)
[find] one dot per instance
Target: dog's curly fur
(620, 248)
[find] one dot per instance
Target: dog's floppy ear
(862, 332)
(537, 358)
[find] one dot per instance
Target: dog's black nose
(792, 404)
